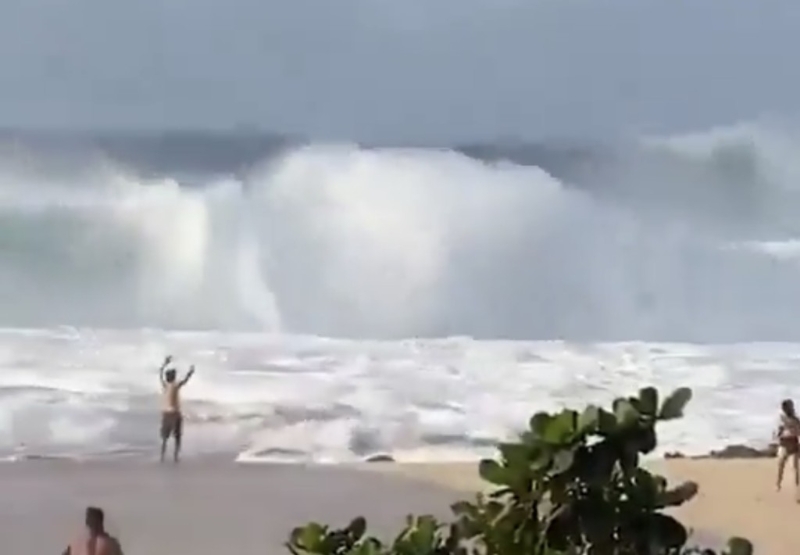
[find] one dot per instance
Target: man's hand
(167, 359)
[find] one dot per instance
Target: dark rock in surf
(742, 452)
(379, 458)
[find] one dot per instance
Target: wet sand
(199, 509)
(212, 508)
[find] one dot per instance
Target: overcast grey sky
(384, 69)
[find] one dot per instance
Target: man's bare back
(97, 545)
(93, 539)
(171, 397)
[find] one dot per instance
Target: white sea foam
(84, 393)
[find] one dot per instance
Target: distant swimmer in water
(171, 416)
(93, 539)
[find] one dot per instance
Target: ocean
(344, 300)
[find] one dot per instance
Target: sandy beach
(206, 508)
(198, 508)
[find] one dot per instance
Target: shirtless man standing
(171, 417)
(94, 540)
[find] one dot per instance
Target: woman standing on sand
(788, 436)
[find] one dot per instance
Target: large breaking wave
(678, 238)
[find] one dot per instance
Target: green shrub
(571, 485)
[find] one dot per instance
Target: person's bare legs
(796, 468)
(782, 458)
(163, 448)
(177, 450)
(178, 437)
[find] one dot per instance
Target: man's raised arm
(188, 376)
(164, 365)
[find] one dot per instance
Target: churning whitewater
(679, 238)
(263, 247)
(287, 398)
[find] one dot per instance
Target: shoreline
(728, 452)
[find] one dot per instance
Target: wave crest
(667, 239)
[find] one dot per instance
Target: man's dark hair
(169, 375)
(95, 519)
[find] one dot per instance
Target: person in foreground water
(93, 539)
(788, 436)
(171, 416)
